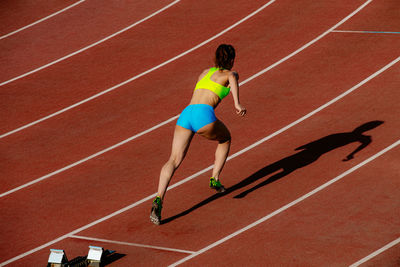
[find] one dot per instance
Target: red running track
(352, 228)
(109, 129)
(68, 32)
(16, 15)
(113, 61)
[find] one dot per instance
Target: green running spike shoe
(214, 184)
(155, 215)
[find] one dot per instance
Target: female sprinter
(212, 86)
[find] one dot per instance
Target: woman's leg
(180, 145)
(219, 132)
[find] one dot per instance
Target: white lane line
(181, 182)
(131, 244)
(41, 20)
(287, 206)
(171, 119)
(77, 230)
(139, 75)
(312, 42)
(90, 46)
(377, 252)
(367, 32)
(87, 158)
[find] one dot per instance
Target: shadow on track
(309, 153)
(107, 258)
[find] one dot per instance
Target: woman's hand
(240, 110)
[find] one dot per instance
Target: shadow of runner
(309, 153)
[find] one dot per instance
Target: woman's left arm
(234, 85)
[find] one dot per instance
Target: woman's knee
(225, 138)
(223, 134)
(175, 160)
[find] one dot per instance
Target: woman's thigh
(181, 142)
(215, 131)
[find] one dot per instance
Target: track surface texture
(90, 92)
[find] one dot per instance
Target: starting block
(94, 256)
(57, 258)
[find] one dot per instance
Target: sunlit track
(92, 45)
(291, 184)
(231, 157)
(179, 56)
(289, 205)
(139, 75)
(173, 118)
(41, 20)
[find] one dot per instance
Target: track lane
(114, 61)
(14, 15)
(111, 172)
(108, 37)
(381, 16)
(70, 31)
(109, 134)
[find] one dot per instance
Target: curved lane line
(139, 75)
(175, 117)
(41, 20)
(90, 46)
(88, 158)
(309, 43)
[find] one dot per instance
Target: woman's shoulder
(233, 73)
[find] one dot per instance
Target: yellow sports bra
(207, 83)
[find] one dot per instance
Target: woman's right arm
(234, 85)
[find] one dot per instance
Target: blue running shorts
(194, 117)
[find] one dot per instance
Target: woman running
(199, 117)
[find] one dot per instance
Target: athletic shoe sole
(153, 215)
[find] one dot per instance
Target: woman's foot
(155, 215)
(216, 184)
